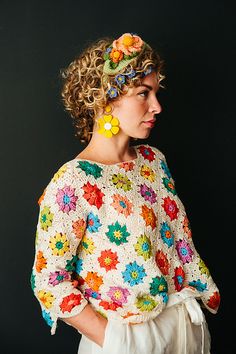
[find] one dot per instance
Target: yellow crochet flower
(46, 297)
(59, 244)
(109, 125)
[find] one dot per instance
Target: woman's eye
(144, 93)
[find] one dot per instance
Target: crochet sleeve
(61, 225)
(194, 271)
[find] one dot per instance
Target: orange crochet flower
(122, 205)
(42, 197)
(149, 216)
(116, 55)
(128, 43)
(93, 280)
(79, 227)
(41, 262)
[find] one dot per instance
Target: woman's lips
(150, 123)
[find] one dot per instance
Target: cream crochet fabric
(116, 236)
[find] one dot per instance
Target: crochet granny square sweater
(118, 237)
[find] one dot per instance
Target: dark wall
(195, 130)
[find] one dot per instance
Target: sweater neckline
(135, 160)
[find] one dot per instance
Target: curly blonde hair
(85, 85)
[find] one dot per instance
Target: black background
(195, 131)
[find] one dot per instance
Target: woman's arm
(89, 323)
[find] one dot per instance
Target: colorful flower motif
(66, 199)
(46, 218)
(47, 318)
(148, 173)
(90, 168)
(134, 274)
(79, 266)
(147, 153)
(93, 223)
(108, 260)
(118, 294)
(149, 216)
(79, 227)
(69, 302)
(128, 44)
(148, 193)
(166, 234)
(71, 264)
(89, 293)
(109, 305)
(169, 185)
(42, 197)
(59, 244)
(117, 233)
(120, 79)
(46, 297)
(203, 268)
(93, 280)
(143, 247)
(116, 55)
(127, 165)
(108, 125)
(58, 277)
(131, 73)
(41, 262)
(87, 245)
(32, 281)
(185, 253)
(121, 181)
(148, 71)
(214, 301)
(165, 168)
(162, 262)
(93, 195)
(122, 205)
(187, 227)
(59, 173)
(159, 286)
(145, 303)
(112, 92)
(179, 278)
(170, 208)
(198, 285)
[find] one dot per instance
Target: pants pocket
(115, 338)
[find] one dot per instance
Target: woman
(114, 253)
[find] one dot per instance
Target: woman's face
(138, 107)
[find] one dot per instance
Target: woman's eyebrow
(148, 86)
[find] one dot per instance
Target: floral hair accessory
(121, 52)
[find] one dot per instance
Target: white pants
(180, 328)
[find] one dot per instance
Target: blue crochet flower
(165, 169)
(112, 92)
(198, 285)
(131, 74)
(134, 274)
(79, 266)
(93, 222)
(47, 317)
(166, 234)
(120, 79)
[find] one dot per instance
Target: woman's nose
(155, 106)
